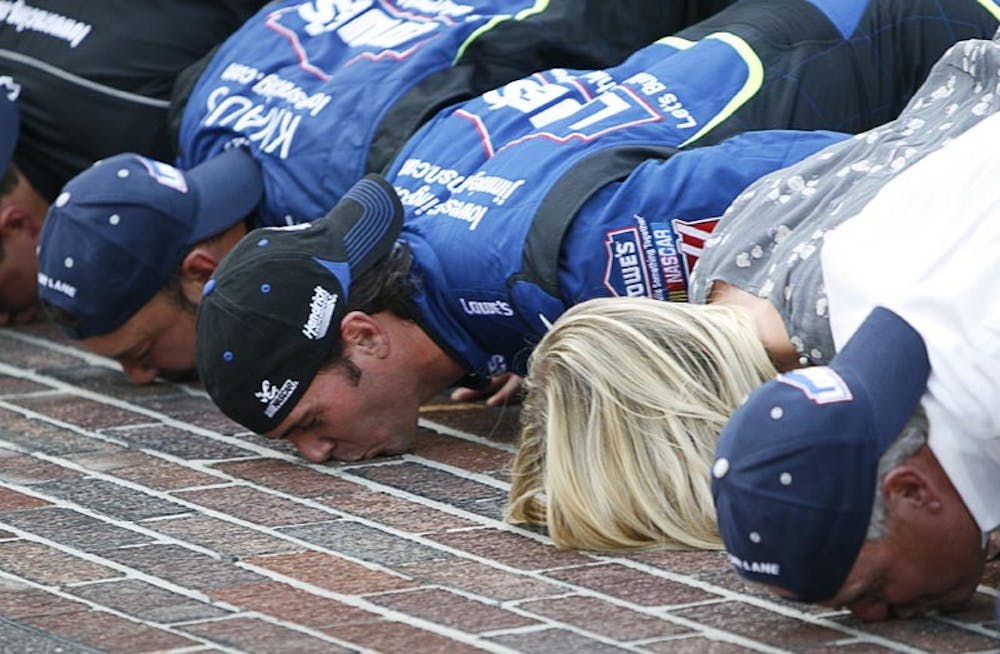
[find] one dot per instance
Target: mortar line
(684, 580)
(488, 522)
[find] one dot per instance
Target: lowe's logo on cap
(165, 175)
(820, 384)
(275, 397)
(320, 312)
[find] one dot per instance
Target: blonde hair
(625, 400)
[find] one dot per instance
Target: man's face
(340, 417)
(158, 341)
(907, 573)
(18, 279)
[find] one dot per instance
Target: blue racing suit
(324, 91)
(570, 185)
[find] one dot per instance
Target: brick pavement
(140, 519)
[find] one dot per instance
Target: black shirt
(94, 77)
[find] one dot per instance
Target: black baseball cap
(271, 314)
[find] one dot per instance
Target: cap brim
(228, 186)
(889, 359)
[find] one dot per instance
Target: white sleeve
(927, 247)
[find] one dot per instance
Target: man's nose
(139, 373)
(314, 448)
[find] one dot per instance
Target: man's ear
(13, 217)
(364, 335)
(198, 265)
(908, 489)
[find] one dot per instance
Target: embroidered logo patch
(691, 238)
(165, 175)
(275, 397)
(321, 310)
(820, 384)
(626, 273)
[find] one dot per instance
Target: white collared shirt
(927, 247)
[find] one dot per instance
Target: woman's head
(626, 397)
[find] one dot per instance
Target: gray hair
(910, 440)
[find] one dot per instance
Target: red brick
(180, 443)
(601, 617)
(555, 641)
(146, 602)
(82, 412)
(112, 382)
(431, 483)
(32, 357)
(11, 500)
(47, 565)
(252, 635)
(109, 632)
(398, 638)
(632, 585)
(255, 506)
(856, 647)
(692, 563)
(500, 424)
(332, 573)
(927, 634)
(15, 385)
(20, 602)
(27, 470)
(289, 477)
(451, 610)
(147, 470)
(73, 528)
(394, 512)
(510, 548)
(761, 625)
(182, 566)
(38, 435)
(366, 543)
(292, 605)
(111, 499)
(478, 579)
(467, 455)
(221, 536)
(697, 645)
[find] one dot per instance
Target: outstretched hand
(502, 389)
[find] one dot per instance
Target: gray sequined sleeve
(769, 240)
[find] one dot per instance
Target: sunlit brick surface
(139, 519)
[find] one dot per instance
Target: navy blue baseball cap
(10, 126)
(270, 316)
(796, 468)
(120, 229)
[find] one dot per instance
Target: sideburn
(350, 370)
